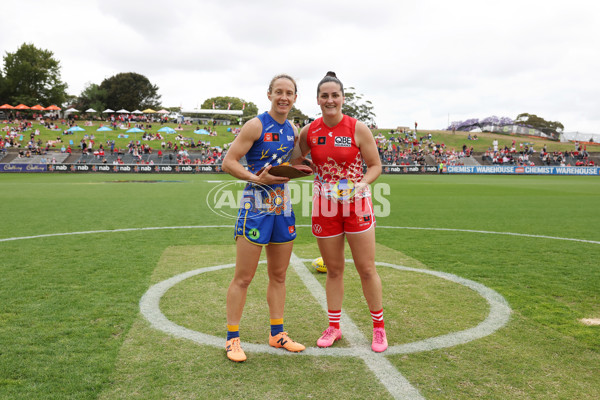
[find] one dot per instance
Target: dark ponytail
(330, 77)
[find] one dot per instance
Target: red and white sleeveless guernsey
(337, 208)
(337, 159)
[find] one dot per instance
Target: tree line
(32, 76)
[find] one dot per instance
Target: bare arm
(243, 142)
(368, 151)
(301, 148)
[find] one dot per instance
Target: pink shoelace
(378, 336)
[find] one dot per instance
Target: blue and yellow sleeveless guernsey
(266, 214)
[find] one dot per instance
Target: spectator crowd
(401, 147)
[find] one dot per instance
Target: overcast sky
(432, 62)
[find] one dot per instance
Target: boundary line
(298, 226)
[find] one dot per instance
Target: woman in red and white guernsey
(342, 206)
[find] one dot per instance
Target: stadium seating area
(50, 158)
(199, 158)
(127, 158)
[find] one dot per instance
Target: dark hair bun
(331, 73)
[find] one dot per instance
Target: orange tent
(21, 107)
(37, 108)
(6, 107)
(52, 108)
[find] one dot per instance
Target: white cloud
(427, 61)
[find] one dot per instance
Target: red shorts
(331, 217)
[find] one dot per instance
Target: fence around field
(216, 168)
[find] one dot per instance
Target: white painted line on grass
(155, 228)
(497, 317)
(491, 233)
(396, 384)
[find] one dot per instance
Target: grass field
(71, 327)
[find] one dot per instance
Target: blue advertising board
(23, 167)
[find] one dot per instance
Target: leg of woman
(246, 262)
(362, 246)
(332, 251)
(278, 259)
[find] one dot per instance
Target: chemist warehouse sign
(513, 170)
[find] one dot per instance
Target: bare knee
(241, 282)
(277, 277)
(368, 273)
(335, 271)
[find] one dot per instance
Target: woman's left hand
(360, 187)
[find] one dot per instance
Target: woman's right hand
(304, 168)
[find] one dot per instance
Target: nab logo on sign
(343, 141)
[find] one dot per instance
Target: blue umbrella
(134, 130)
(104, 129)
(75, 129)
(167, 129)
(202, 132)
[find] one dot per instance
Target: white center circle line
(498, 316)
(388, 375)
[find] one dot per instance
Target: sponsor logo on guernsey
(290, 137)
(343, 141)
(271, 137)
(254, 233)
(318, 140)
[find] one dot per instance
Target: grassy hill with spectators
(224, 135)
(482, 141)
(58, 137)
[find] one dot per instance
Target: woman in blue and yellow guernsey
(265, 218)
